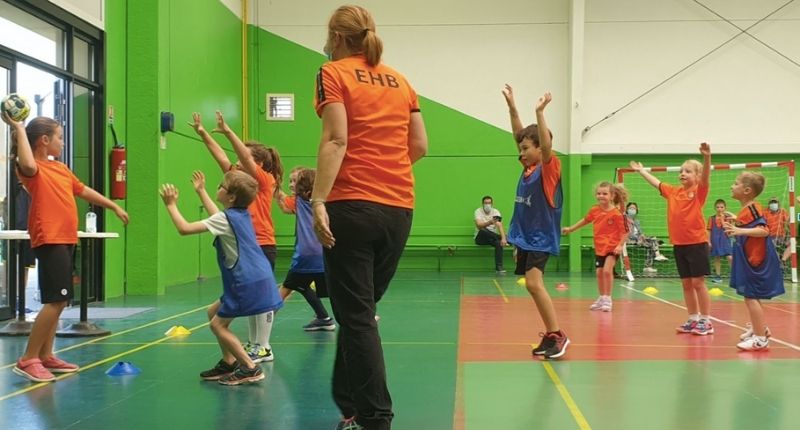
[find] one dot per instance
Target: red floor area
(492, 329)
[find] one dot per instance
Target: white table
(21, 327)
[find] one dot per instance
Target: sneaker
(753, 343)
(749, 332)
(661, 257)
(649, 271)
(243, 375)
(716, 279)
(33, 370)
(260, 354)
(606, 305)
(703, 327)
(221, 370)
(559, 347)
(547, 342)
(500, 272)
(597, 304)
(348, 424)
(686, 327)
(318, 324)
(57, 365)
(377, 318)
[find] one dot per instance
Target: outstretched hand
(11, 123)
(196, 124)
(508, 94)
(222, 127)
(705, 149)
(198, 180)
(637, 166)
(544, 100)
(169, 194)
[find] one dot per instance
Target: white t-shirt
(482, 217)
(219, 226)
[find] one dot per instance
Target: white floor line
(771, 339)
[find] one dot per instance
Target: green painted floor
(436, 328)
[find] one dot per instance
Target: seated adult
(637, 237)
(778, 225)
(489, 231)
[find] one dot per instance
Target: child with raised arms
(687, 232)
(610, 234)
(248, 285)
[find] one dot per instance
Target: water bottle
(91, 222)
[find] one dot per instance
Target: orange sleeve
(592, 214)
(77, 185)
(329, 89)
(551, 175)
(666, 190)
(291, 203)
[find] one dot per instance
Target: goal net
(652, 254)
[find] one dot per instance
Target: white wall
(741, 99)
(91, 11)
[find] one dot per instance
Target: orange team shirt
(776, 222)
(550, 176)
(609, 229)
(379, 102)
(685, 220)
(261, 208)
(291, 203)
(755, 248)
(53, 217)
(716, 219)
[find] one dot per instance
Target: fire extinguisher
(117, 169)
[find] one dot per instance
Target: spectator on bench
(489, 231)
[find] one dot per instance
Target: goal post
(654, 258)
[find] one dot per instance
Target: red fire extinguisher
(118, 170)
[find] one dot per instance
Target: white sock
(704, 317)
(264, 328)
(694, 317)
(252, 329)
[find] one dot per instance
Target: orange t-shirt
(53, 216)
(776, 222)
(261, 208)
(685, 220)
(551, 174)
(755, 248)
(609, 229)
(379, 102)
(291, 203)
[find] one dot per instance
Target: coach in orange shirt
(363, 200)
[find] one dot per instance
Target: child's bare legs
(600, 281)
(696, 295)
(284, 292)
(717, 266)
(534, 282)
(689, 296)
(756, 313)
(229, 344)
(608, 275)
(40, 342)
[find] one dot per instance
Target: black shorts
(527, 260)
(271, 252)
(600, 260)
(692, 260)
(55, 272)
(302, 281)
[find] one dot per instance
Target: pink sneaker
(33, 370)
(57, 365)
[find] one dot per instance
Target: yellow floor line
(98, 339)
(499, 288)
(92, 365)
(562, 390)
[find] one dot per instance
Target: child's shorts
(302, 281)
(692, 260)
(527, 260)
(600, 260)
(55, 272)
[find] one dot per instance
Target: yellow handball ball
(16, 106)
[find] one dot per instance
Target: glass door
(6, 295)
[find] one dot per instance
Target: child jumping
(756, 272)
(264, 165)
(53, 227)
(687, 232)
(610, 234)
(536, 223)
(248, 285)
(719, 242)
(307, 264)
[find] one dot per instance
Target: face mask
(773, 207)
(632, 212)
(487, 208)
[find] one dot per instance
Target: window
(280, 107)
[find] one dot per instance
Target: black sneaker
(221, 369)
(559, 348)
(348, 424)
(317, 324)
(548, 340)
(243, 375)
